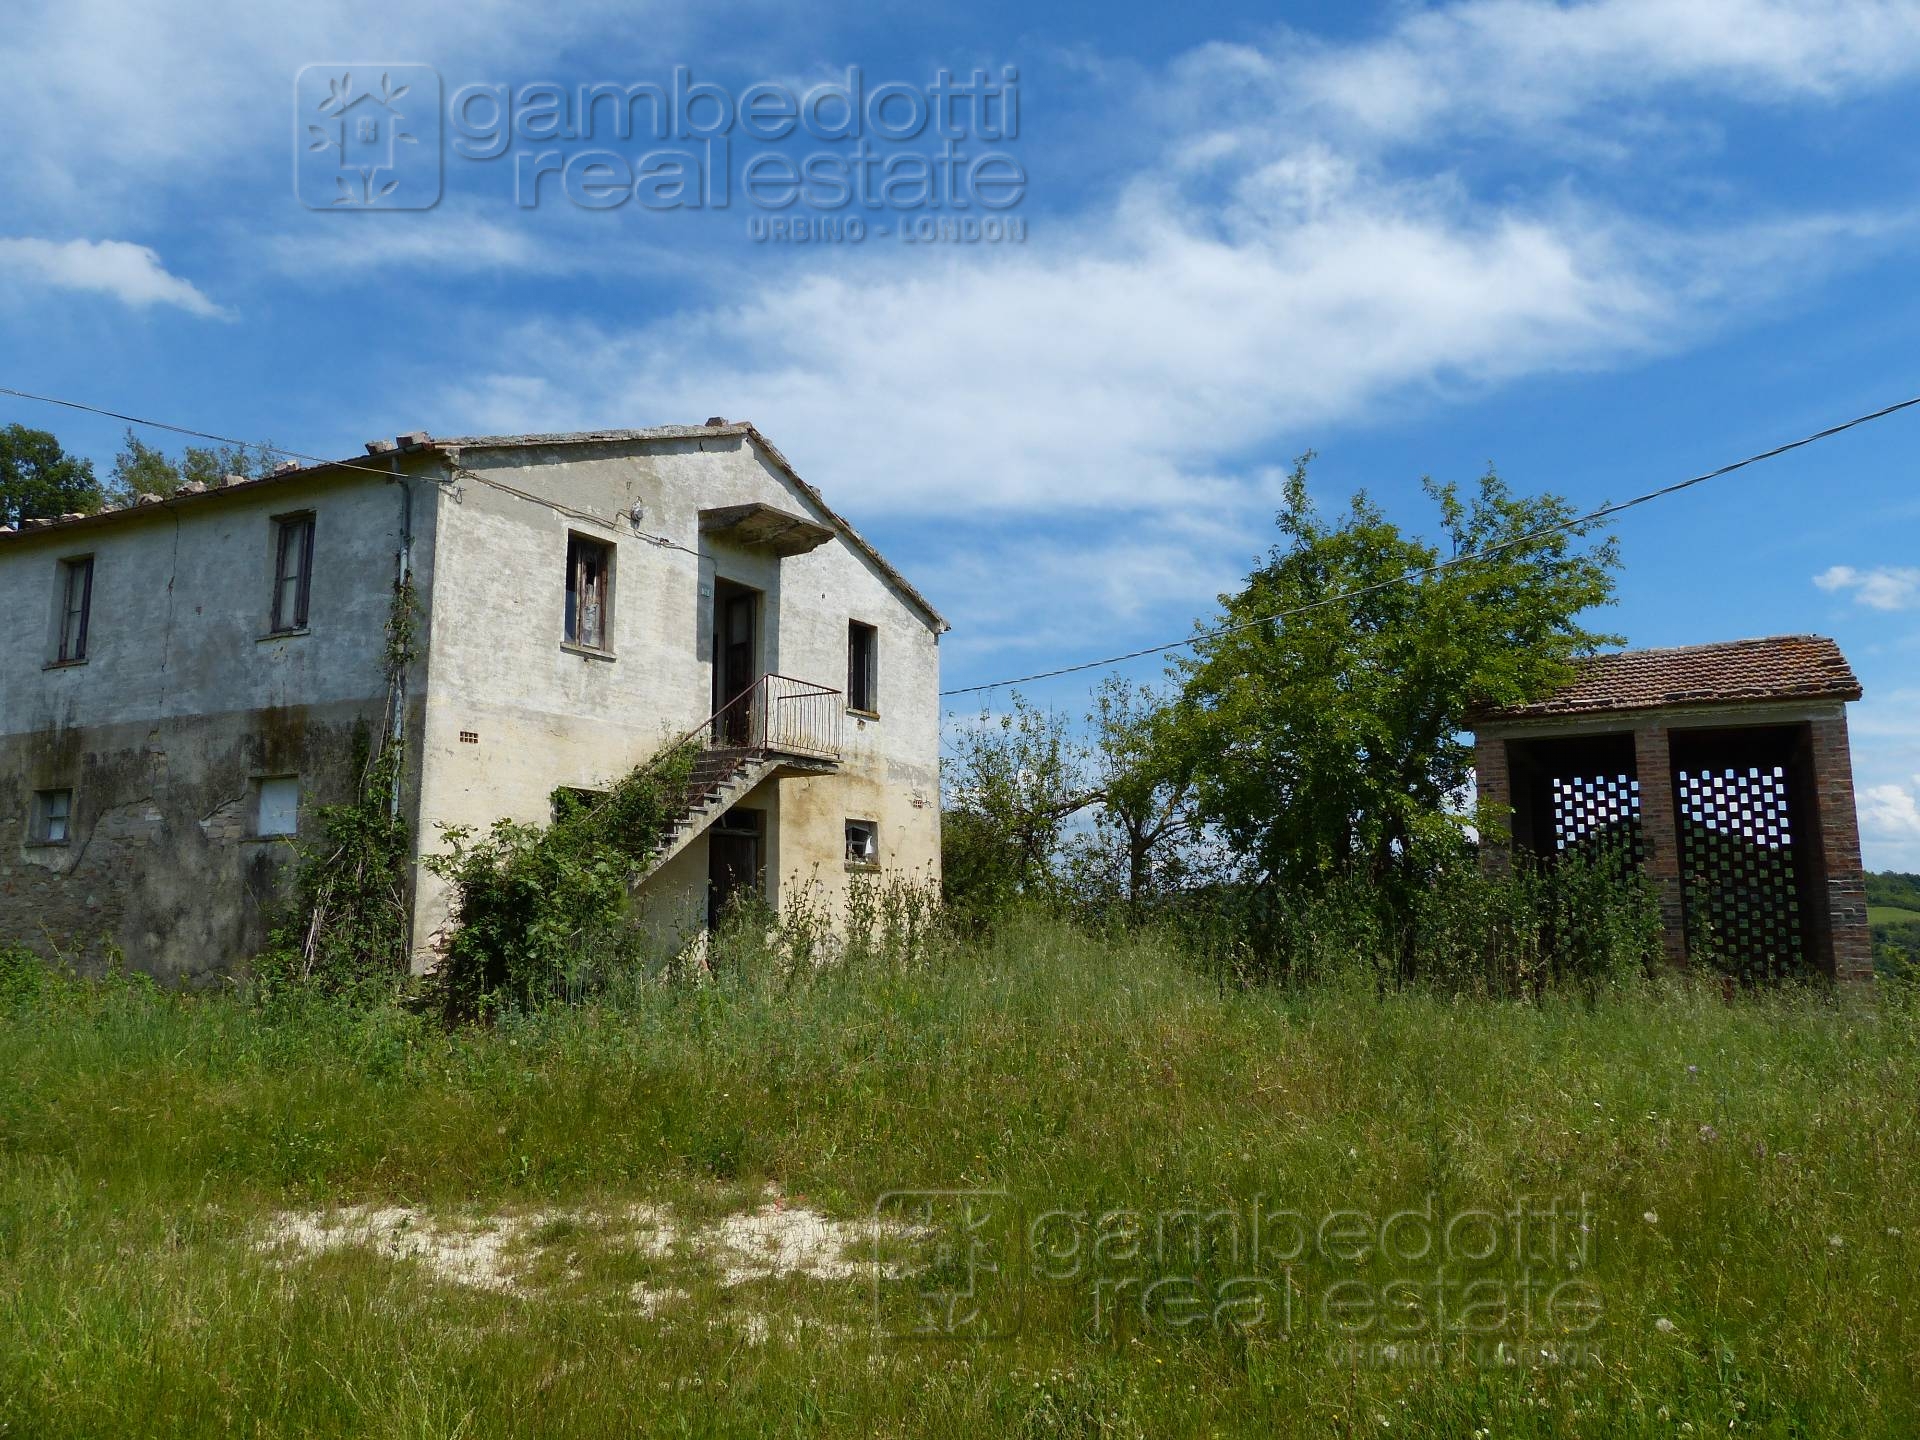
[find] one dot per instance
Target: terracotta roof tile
(1780, 667)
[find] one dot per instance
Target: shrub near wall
(541, 910)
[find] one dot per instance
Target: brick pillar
(1495, 790)
(1660, 834)
(1845, 881)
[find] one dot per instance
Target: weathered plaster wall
(180, 706)
(546, 716)
(183, 704)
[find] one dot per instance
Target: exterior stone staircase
(778, 724)
(720, 779)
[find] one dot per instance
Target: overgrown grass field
(1750, 1169)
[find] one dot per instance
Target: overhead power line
(265, 446)
(268, 448)
(1421, 573)
(1336, 598)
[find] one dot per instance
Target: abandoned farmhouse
(212, 667)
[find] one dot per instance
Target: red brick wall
(1495, 790)
(1846, 879)
(1838, 935)
(1660, 835)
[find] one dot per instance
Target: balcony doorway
(736, 660)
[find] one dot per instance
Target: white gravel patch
(770, 1243)
(471, 1254)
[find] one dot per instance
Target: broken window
(863, 843)
(76, 609)
(278, 810)
(570, 802)
(52, 816)
(589, 592)
(292, 571)
(863, 650)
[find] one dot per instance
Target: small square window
(278, 812)
(52, 816)
(863, 678)
(292, 571)
(76, 610)
(863, 843)
(589, 593)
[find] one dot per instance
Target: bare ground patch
(540, 1252)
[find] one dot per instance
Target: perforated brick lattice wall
(1736, 849)
(1599, 814)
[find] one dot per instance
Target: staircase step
(719, 779)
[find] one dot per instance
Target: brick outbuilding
(1724, 769)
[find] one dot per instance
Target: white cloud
(1885, 587)
(464, 237)
(1135, 358)
(1257, 282)
(1526, 62)
(1027, 599)
(453, 243)
(130, 273)
(1889, 813)
(127, 98)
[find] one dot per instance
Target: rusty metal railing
(781, 714)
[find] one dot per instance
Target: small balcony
(783, 717)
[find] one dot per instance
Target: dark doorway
(734, 852)
(736, 659)
(1748, 842)
(1577, 797)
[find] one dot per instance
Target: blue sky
(1601, 245)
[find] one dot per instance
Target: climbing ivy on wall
(347, 926)
(541, 911)
(538, 909)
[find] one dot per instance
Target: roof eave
(459, 445)
(97, 519)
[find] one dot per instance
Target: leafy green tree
(143, 469)
(1013, 783)
(1327, 746)
(1891, 887)
(39, 480)
(1142, 842)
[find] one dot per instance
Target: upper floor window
(589, 593)
(76, 609)
(292, 571)
(863, 678)
(52, 816)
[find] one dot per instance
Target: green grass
(1891, 915)
(147, 1140)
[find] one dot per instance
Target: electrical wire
(265, 446)
(460, 472)
(1338, 597)
(1421, 573)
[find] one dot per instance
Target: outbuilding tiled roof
(1780, 667)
